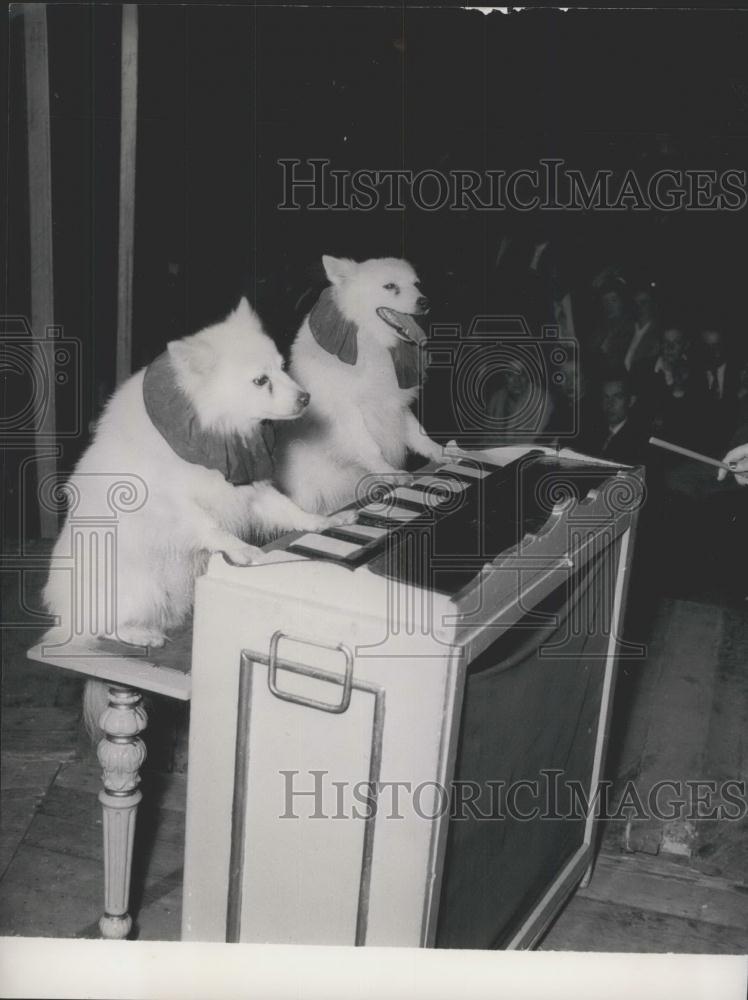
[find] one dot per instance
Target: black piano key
(365, 534)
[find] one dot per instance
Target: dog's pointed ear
(338, 269)
(192, 355)
(244, 308)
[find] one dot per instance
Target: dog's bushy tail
(95, 700)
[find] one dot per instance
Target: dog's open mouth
(404, 324)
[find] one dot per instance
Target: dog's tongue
(404, 324)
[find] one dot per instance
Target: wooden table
(129, 671)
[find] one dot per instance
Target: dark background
(225, 91)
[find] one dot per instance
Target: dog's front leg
(211, 536)
(368, 453)
(418, 440)
(274, 511)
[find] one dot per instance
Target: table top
(163, 671)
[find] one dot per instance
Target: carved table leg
(121, 754)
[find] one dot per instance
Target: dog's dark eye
(260, 380)
(284, 366)
(391, 287)
(417, 284)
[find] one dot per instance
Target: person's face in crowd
(643, 307)
(713, 346)
(673, 347)
(613, 305)
(516, 381)
(616, 402)
(681, 375)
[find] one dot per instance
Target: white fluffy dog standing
(192, 428)
(356, 353)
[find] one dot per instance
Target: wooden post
(40, 241)
(128, 131)
(121, 754)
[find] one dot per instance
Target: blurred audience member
(644, 342)
(741, 395)
(518, 410)
(651, 375)
(716, 382)
(658, 380)
(676, 417)
(575, 414)
(619, 438)
(714, 360)
(612, 337)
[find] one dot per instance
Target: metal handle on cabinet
(273, 662)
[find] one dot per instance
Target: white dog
(191, 427)
(357, 354)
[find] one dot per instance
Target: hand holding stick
(737, 460)
(734, 461)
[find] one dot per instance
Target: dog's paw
(342, 517)
(141, 635)
(243, 554)
(436, 453)
(318, 522)
(398, 477)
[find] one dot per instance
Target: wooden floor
(682, 713)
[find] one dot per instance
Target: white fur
(190, 511)
(359, 421)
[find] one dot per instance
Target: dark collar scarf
(339, 336)
(240, 460)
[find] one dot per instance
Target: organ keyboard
(463, 632)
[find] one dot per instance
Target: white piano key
(328, 546)
(465, 470)
(399, 514)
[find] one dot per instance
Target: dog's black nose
(304, 398)
(423, 303)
